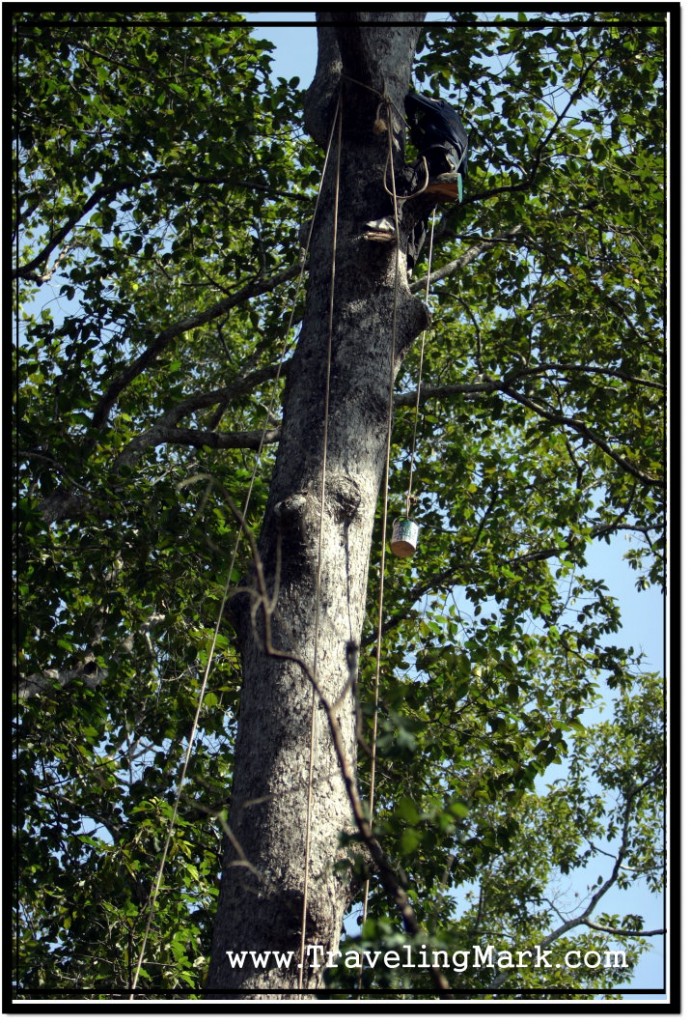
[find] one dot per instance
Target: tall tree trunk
(314, 546)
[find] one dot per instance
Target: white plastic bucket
(404, 538)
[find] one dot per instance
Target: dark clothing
(437, 133)
(417, 239)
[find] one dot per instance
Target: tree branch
(251, 439)
(163, 339)
(581, 428)
(625, 931)
(87, 669)
(30, 271)
(240, 387)
(529, 179)
(466, 258)
(575, 423)
(165, 430)
(487, 385)
(449, 578)
(584, 918)
(604, 371)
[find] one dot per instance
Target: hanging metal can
(404, 537)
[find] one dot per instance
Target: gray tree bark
(314, 546)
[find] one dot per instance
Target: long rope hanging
(409, 493)
(385, 503)
(380, 611)
(273, 404)
(322, 502)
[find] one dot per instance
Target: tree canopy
(161, 180)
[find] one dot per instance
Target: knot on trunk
(343, 497)
(299, 514)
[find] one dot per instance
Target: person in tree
(437, 133)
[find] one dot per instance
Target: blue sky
(642, 611)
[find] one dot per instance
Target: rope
(195, 725)
(412, 195)
(380, 615)
(419, 373)
(390, 105)
(382, 564)
(317, 614)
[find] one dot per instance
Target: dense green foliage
(161, 178)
